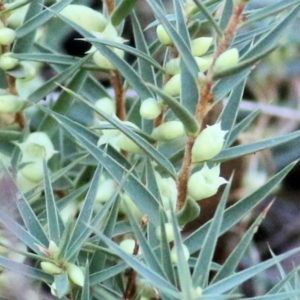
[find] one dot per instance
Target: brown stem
(185, 173)
(110, 4)
(119, 95)
(231, 28)
(129, 291)
(11, 83)
(205, 100)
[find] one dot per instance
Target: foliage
(99, 183)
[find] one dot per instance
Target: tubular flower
(205, 183)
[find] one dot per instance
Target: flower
(205, 183)
(227, 59)
(168, 131)
(37, 147)
(208, 143)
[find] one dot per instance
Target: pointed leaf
(237, 211)
(203, 264)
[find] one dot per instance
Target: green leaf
(209, 17)
(234, 259)
(85, 294)
(243, 64)
(86, 211)
(178, 41)
(122, 11)
(227, 84)
(23, 269)
(231, 109)
(152, 277)
(133, 187)
(51, 84)
(12, 195)
(279, 296)
(9, 135)
(203, 264)
(38, 20)
(54, 221)
(237, 211)
(140, 54)
(189, 212)
(268, 41)
(273, 9)
(145, 69)
(61, 284)
(17, 230)
(78, 240)
(281, 284)
(24, 43)
(121, 65)
(98, 260)
(64, 103)
(235, 132)
(183, 269)
(165, 256)
(101, 276)
(226, 14)
(241, 150)
(148, 254)
(188, 120)
(236, 279)
(144, 145)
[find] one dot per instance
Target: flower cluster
(36, 148)
(54, 266)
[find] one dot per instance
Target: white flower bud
(168, 191)
(150, 109)
(106, 189)
(17, 17)
(173, 86)
(85, 17)
(7, 62)
(227, 59)
(125, 143)
(37, 146)
(128, 246)
(163, 35)
(172, 67)
(50, 268)
(205, 183)
(203, 63)
(102, 62)
(33, 171)
(196, 292)
(201, 45)
(208, 143)
(174, 257)
(168, 131)
(131, 205)
(24, 185)
(29, 70)
(169, 232)
(10, 104)
(106, 105)
(128, 145)
(53, 250)
(7, 36)
(144, 289)
(75, 274)
(54, 290)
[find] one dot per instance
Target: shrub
(99, 183)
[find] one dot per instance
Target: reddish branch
(206, 99)
(119, 95)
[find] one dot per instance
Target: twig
(205, 100)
